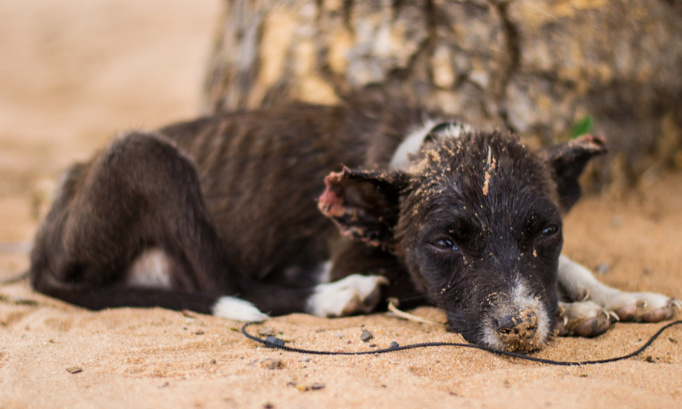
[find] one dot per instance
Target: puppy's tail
(15, 279)
(99, 298)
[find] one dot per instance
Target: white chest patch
(414, 141)
(150, 269)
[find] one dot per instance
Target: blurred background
(73, 74)
(547, 70)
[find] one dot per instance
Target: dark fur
(231, 200)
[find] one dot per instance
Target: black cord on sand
(273, 342)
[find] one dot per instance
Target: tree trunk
(536, 67)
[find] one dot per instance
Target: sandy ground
(74, 73)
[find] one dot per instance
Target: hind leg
(593, 303)
(140, 193)
(131, 229)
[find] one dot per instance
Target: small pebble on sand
(602, 268)
(366, 336)
(271, 363)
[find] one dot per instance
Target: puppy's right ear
(364, 205)
(567, 162)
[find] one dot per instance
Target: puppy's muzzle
(517, 330)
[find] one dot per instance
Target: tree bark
(536, 67)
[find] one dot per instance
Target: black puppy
(219, 215)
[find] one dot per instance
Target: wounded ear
(364, 205)
(567, 162)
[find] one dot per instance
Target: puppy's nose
(517, 329)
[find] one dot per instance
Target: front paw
(352, 295)
(583, 319)
(641, 307)
(237, 309)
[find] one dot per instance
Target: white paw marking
(585, 318)
(353, 294)
(237, 309)
(580, 284)
(150, 269)
(579, 311)
(635, 306)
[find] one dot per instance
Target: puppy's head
(477, 220)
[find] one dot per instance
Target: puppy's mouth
(515, 330)
(517, 322)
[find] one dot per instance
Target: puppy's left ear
(567, 162)
(363, 204)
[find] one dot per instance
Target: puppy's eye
(445, 244)
(550, 230)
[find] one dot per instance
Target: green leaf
(582, 127)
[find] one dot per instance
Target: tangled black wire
(273, 342)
